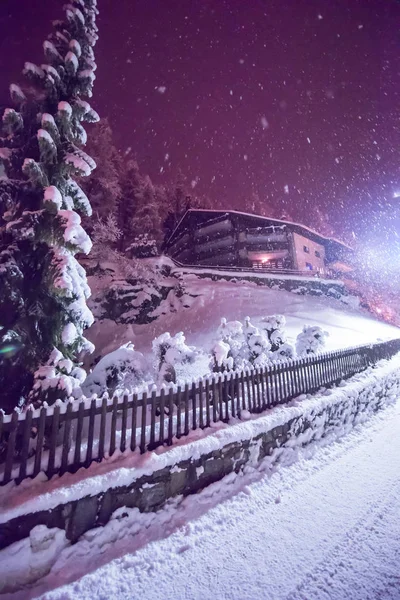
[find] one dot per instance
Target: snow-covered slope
(216, 299)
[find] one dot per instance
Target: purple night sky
(246, 95)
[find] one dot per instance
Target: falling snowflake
(264, 123)
(161, 89)
(286, 189)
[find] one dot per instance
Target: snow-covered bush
(122, 369)
(171, 352)
(221, 361)
(284, 352)
(231, 333)
(311, 340)
(143, 246)
(274, 326)
(258, 344)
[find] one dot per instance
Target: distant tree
(43, 289)
(132, 191)
(103, 185)
(146, 219)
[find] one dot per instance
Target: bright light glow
(396, 195)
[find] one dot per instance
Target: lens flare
(9, 349)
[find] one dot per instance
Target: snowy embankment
(212, 300)
(325, 526)
(33, 557)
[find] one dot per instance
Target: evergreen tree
(43, 289)
(132, 190)
(103, 185)
(147, 216)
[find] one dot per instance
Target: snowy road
(326, 527)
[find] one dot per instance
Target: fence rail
(249, 270)
(67, 436)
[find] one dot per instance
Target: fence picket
(53, 441)
(194, 406)
(11, 447)
(92, 417)
(66, 439)
(113, 434)
(201, 405)
(143, 423)
(208, 416)
(170, 415)
(39, 442)
(242, 384)
(162, 416)
(124, 423)
(26, 436)
(103, 418)
(134, 421)
(186, 399)
(153, 403)
(178, 412)
(232, 394)
(214, 400)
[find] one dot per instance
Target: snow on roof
(238, 212)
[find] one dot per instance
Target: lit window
(309, 266)
(306, 249)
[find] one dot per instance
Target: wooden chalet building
(235, 239)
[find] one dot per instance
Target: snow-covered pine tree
(43, 289)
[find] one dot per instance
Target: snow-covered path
(326, 527)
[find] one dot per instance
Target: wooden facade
(235, 239)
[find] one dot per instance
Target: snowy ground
(326, 527)
(216, 299)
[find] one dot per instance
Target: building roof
(306, 229)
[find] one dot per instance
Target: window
(318, 254)
(309, 266)
(306, 249)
